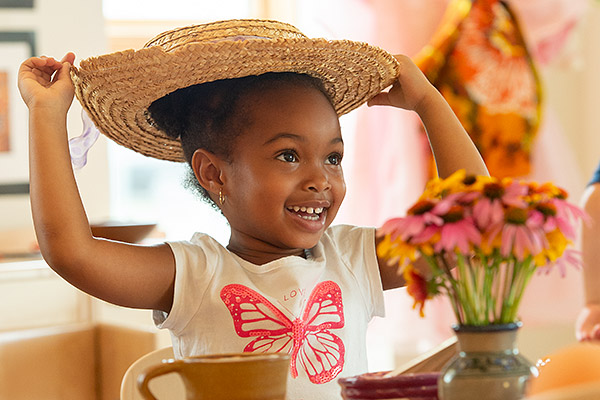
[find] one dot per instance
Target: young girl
(253, 107)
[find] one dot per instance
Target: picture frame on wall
(15, 47)
(16, 3)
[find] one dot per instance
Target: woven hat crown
(230, 30)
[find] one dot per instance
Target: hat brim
(116, 89)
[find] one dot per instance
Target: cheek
(339, 191)
(343, 191)
(260, 187)
(340, 186)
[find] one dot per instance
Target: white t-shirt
(315, 309)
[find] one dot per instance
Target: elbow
(60, 251)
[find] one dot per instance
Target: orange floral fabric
(480, 63)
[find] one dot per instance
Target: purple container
(375, 385)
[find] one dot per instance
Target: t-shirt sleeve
(357, 247)
(192, 274)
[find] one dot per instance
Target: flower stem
(476, 289)
(528, 270)
(489, 274)
(509, 278)
(457, 294)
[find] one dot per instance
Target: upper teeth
(310, 210)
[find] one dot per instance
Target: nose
(317, 179)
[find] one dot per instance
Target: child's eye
(334, 159)
(288, 156)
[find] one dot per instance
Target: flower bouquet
(483, 239)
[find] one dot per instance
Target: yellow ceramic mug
(243, 376)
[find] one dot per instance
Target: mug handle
(152, 372)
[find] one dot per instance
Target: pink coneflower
(490, 207)
(548, 213)
(457, 232)
(519, 234)
(429, 235)
(441, 214)
(418, 218)
(564, 217)
(570, 258)
(514, 193)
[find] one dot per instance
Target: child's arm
(588, 322)
(124, 274)
(451, 145)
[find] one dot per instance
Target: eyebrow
(299, 138)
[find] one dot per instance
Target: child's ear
(208, 170)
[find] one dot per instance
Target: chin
(310, 243)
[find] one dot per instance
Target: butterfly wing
(322, 356)
(321, 353)
(324, 308)
(255, 316)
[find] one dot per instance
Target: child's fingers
(67, 62)
(63, 73)
(69, 57)
(42, 67)
(41, 74)
(44, 73)
(47, 65)
(44, 61)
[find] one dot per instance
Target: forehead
(290, 108)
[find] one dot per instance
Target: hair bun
(165, 112)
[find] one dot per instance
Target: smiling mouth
(307, 213)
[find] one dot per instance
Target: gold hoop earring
(221, 197)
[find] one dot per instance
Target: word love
(294, 293)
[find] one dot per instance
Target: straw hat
(116, 89)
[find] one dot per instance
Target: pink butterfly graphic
(308, 339)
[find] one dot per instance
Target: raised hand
(409, 91)
(45, 82)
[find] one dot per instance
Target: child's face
(285, 183)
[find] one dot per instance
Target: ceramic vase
(488, 365)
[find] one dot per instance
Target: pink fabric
(547, 24)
